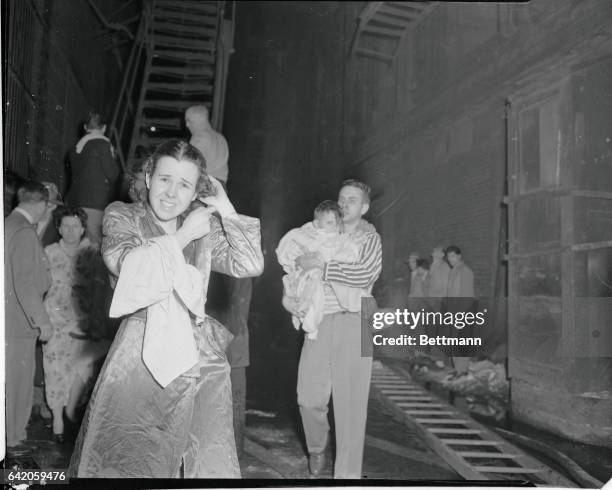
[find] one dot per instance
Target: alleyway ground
(274, 445)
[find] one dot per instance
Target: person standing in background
(439, 272)
(412, 265)
(460, 294)
(211, 143)
(95, 175)
(26, 280)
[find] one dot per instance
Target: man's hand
(312, 260)
(46, 332)
(221, 202)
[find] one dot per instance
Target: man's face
(437, 254)
(327, 222)
(42, 210)
(412, 262)
(189, 121)
(352, 203)
(453, 258)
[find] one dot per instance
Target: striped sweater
(361, 274)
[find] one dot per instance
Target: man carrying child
(332, 363)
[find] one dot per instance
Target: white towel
(155, 276)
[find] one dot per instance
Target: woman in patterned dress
(75, 307)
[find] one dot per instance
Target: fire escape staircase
(180, 58)
(383, 25)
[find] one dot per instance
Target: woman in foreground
(162, 405)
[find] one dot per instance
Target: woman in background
(75, 307)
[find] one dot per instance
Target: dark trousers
(238, 377)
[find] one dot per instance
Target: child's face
(327, 222)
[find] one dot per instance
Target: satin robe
(134, 428)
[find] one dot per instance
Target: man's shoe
(316, 463)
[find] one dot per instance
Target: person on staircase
(211, 143)
(95, 174)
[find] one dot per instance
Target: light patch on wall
(460, 137)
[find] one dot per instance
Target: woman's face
(172, 187)
(71, 230)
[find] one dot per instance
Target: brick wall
(428, 132)
(69, 73)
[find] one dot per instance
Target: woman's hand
(221, 202)
(195, 226)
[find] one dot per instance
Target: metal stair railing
(470, 448)
(224, 49)
(390, 21)
(125, 115)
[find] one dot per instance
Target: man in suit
(26, 280)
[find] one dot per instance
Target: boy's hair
(328, 206)
(95, 121)
(62, 212)
(365, 188)
(32, 192)
(454, 249)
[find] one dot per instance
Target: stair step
(185, 56)
(437, 430)
(382, 31)
(188, 7)
(179, 88)
(374, 54)
(401, 398)
(383, 17)
(471, 442)
(429, 412)
(170, 105)
(418, 404)
(441, 421)
(151, 141)
(182, 29)
(505, 469)
(399, 13)
(185, 19)
(411, 5)
(162, 122)
(181, 42)
(484, 454)
(400, 391)
(190, 72)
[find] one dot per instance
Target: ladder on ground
(383, 25)
(469, 447)
(180, 59)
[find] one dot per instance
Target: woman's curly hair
(181, 150)
(62, 212)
